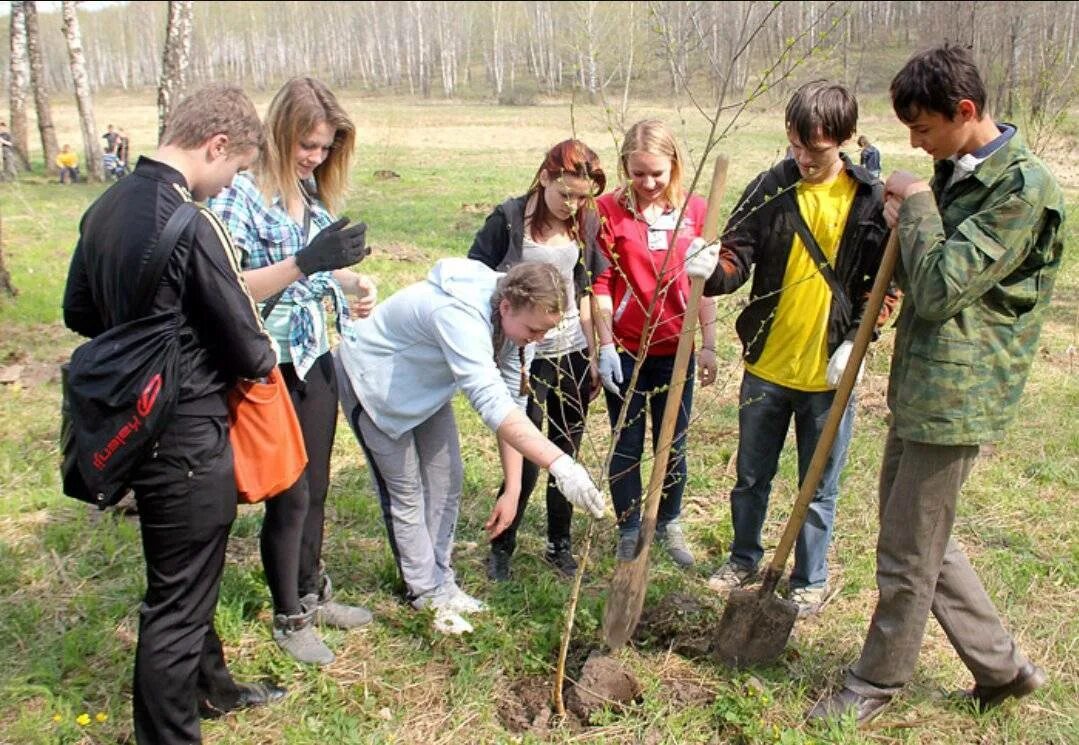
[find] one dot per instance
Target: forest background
(455, 104)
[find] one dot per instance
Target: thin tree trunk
(18, 83)
(94, 169)
(174, 61)
(41, 90)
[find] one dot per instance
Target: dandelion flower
(57, 718)
(82, 719)
(101, 717)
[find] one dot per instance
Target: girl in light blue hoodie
(463, 328)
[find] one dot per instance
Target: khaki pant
(921, 569)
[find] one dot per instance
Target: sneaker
(296, 636)
(627, 544)
(731, 576)
(559, 555)
(461, 602)
(448, 621)
(498, 566)
(671, 537)
(329, 612)
(808, 599)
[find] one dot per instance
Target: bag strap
(823, 265)
(151, 272)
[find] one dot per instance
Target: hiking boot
(847, 701)
(671, 537)
(627, 544)
(731, 576)
(329, 612)
(808, 599)
(1029, 679)
(296, 635)
(559, 555)
(498, 565)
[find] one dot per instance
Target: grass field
(71, 580)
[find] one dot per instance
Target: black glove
(333, 248)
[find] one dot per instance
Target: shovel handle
(835, 414)
(709, 231)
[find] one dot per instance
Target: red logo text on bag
(145, 405)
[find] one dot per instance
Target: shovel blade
(625, 601)
(754, 629)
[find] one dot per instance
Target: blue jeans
(625, 473)
(764, 416)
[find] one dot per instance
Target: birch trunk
(18, 84)
(174, 61)
(40, 86)
(81, 81)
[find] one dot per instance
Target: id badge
(657, 240)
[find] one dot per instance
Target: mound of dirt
(604, 682)
(679, 622)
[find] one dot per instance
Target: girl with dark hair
(554, 222)
(463, 328)
(294, 255)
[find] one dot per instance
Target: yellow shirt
(796, 352)
(67, 160)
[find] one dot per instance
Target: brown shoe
(845, 701)
(1029, 679)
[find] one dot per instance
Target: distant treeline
(517, 50)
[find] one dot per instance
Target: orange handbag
(267, 443)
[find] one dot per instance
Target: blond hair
(654, 137)
(210, 111)
(530, 284)
(301, 105)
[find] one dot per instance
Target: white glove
(576, 485)
(838, 364)
(701, 258)
(610, 368)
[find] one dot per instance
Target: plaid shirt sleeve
(237, 206)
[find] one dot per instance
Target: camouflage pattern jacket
(978, 260)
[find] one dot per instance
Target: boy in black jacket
(811, 230)
(186, 491)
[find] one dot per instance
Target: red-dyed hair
(567, 158)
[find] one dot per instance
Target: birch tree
(41, 89)
(81, 81)
(174, 62)
(18, 82)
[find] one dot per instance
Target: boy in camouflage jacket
(980, 247)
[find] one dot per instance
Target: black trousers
(291, 538)
(560, 386)
(186, 495)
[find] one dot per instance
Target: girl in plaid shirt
(294, 255)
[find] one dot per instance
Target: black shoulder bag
(121, 387)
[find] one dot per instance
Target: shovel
(757, 623)
(626, 597)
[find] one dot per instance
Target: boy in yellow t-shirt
(799, 326)
(68, 162)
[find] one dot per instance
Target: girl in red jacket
(647, 278)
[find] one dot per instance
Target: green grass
(71, 580)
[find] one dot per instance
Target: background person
(798, 329)
(554, 222)
(638, 231)
(460, 329)
(280, 217)
(67, 160)
(870, 157)
(186, 492)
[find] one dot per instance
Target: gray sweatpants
(921, 569)
(418, 477)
